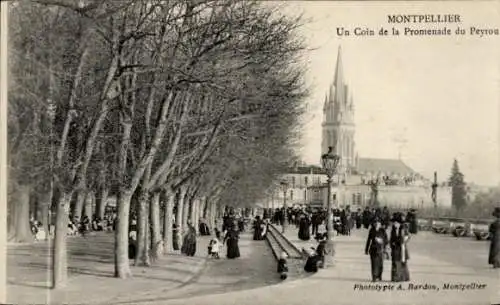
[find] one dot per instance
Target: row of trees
(165, 104)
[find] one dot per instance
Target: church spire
(338, 79)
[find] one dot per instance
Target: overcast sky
(439, 93)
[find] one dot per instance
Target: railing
(280, 243)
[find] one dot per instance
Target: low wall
(392, 196)
(459, 227)
(413, 196)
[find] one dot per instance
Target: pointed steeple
(338, 79)
(346, 95)
(331, 93)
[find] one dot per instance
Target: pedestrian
(399, 249)
(85, 226)
(343, 222)
(264, 228)
(494, 255)
(283, 266)
(357, 218)
(282, 216)
(366, 217)
(241, 224)
(386, 217)
(257, 228)
(214, 248)
(203, 227)
(304, 225)
(231, 240)
(189, 241)
(321, 250)
(376, 247)
(411, 218)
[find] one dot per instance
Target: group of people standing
(344, 220)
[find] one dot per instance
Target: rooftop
(387, 166)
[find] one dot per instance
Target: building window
(293, 182)
(306, 180)
(291, 195)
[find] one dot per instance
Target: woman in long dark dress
(203, 227)
(189, 241)
(494, 254)
(358, 219)
(231, 240)
(376, 247)
(304, 225)
(411, 218)
(241, 224)
(399, 250)
(257, 228)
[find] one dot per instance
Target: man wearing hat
(494, 255)
(376, 247)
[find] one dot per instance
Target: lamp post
(305, 193)
(284, 188)
(330, 162)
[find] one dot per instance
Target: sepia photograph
(249, 152)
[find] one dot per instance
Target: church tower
(338, 119)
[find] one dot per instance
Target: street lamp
(284, 188)
(330, 162)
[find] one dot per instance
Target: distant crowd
(344, 220)
(77, 226)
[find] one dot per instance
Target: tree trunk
(167, 226)
(185, 215)
(192, 211)
(179, 217)
(89, 201)
(101, 202)
(205, 208)
(44, 204)
(122, 266)
(33, 207)
(155, 225)
(59, 256)
(208, 214)
(78, 207)
(142, 258)
(148, 248)
(22, 228)
(214, 216)
(199, 213)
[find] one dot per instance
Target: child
(214, 248)
(282, 266)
